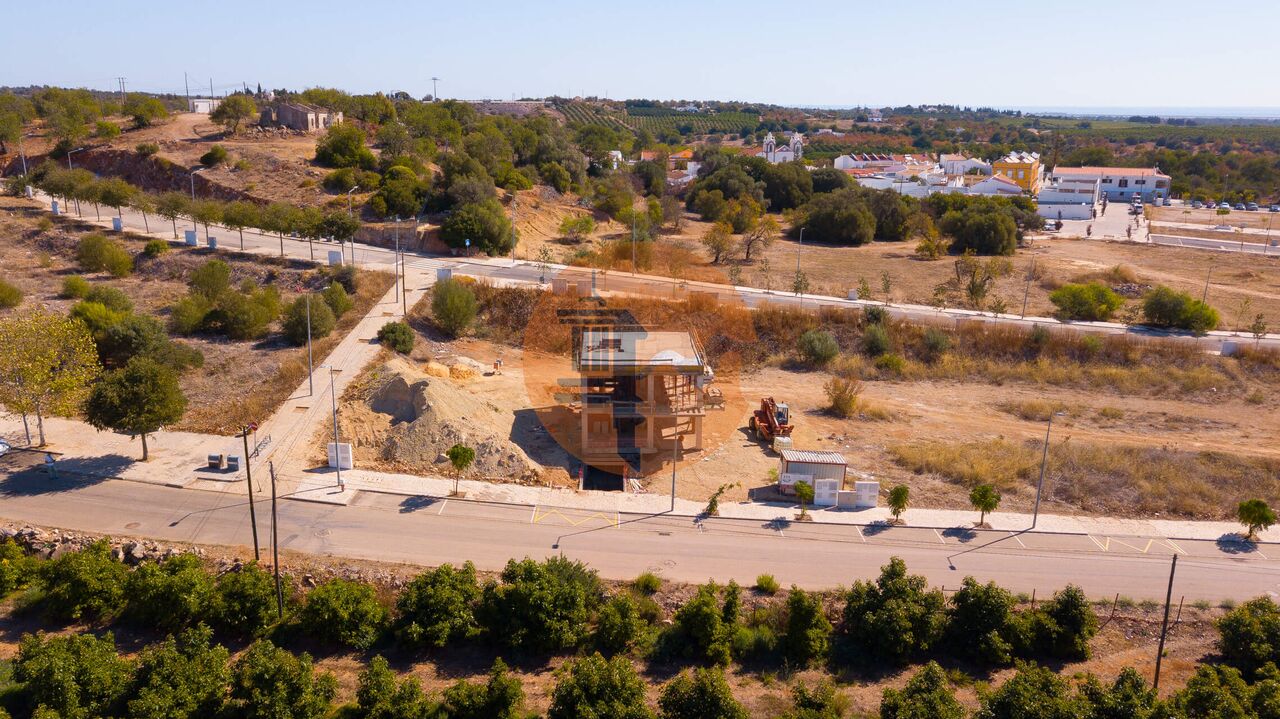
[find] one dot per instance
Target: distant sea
(1223, 113)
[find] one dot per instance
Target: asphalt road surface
(428, 531)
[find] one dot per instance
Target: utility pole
(275, 543)
(1207, 275)
(186, 89)
(337, 454)
(248, 477)
(675, 457)
(404, 278)
(211, 91)
(435, 94)
(1027, 292)
(311, 390)
(121, 81)
(395, 222)
(1044, 461)
(1164, 627)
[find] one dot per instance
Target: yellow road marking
(539, 516)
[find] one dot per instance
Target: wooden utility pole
(275, 543)
(1164, 627)
(248, 476)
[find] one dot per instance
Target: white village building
(787, 153)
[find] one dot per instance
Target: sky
(1001, 53)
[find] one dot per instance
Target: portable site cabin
(824, 470)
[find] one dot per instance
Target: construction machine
(772, 423)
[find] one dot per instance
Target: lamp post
(192, 176)
(337, 454)
(69, 154)
(350, 212)
(404, 277)
(1044, 461)
(311, 390)
(395, 223)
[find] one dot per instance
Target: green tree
(461, 457)
(240, 214)
(397, 336)
(927, 695)
(1214, 692)
(894, 619)
(718, 240)
(698, 630)
(699, 694)
(484, 223)
(137, 399)
(596, 687)
(501, 697)
(233, 110)
(1032, 692)
(1256, 516)
(1128, 697)
(1165, 307)
(169, 595)
(804, 494)
(453, 306)
(145, 204)
(438, 607)
(380, 696)
(344, 612)
(1249, 635)
(171, 206)
(343, 145)
(1071, 624)
(84, 584)
(899, 497)
(808, 631)
(271, 683)
(540, 606)
(180, 678)
(984, 498)
(839, 218)
(79, 676)
(17, 568)
(341, 226)
(244, 601)
(985, 230)
(206, 212)
(978, 622)
(295, 319)
(144, 110)
(1091, 302)
(46, 364)
(619, 624)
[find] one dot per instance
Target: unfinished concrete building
(297, 116)
(641, 392)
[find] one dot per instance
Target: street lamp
(349, 212)
(333, 397)
(395, 222)
(193, 181)
(1044, 461)
(69, 154)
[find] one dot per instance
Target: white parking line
(861, 536)
(442, 506)
(940, 539)
(1016, 539)
(534, 516)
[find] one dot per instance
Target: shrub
(698, 630)
(766, 584)
(874, 315)
(453, 305)
(335, 295)
(501, 697)
(936, 343)
(1092, 302)
(188, 316)
(926, 694)
(10, 296)
(84, 584)
(215, 156)
(894, 619)
(244, 316)
(75, 287)
(97, 253)
(211, 279)
(271, 683)
(169, 595)
(186, 677)
(1250, 635)
(619, 624)
(111, 298)
(818, 347)
(978, 622)
(340, 180)
(73, 676)
(596, 687)
(295, 320)
(875, 340)
(147, 149)
(155, 248)
(96, 316)
(438, 607)
(17, 569)
(647, 583)
(1060, 628)
(1165, 307)
(397, 336)
(1032, 692)
(540, 606)
(842, 394)
(130, 337)
(808, 632)
(344, 612)
(379, 694)
(700, 694)
(244, 601)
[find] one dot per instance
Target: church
(786, 153)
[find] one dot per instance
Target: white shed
(818, 464)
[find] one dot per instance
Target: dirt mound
(408, 419)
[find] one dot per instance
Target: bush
(1250, 635)
(619, 624)
(97, 253)
(501, 697)
(700, 694)
(187, 317)
(818, 347)
(438, 607)
(926, 694)
(379, 694)
(1092, 302)
(978, 622)
(540, 606)
(215, 156)
(894, 619)
(186, 677)
(936, 343)
(271, 683)
(295, 320)
(347, 276)
(10, 296)
(647, 583)
(808, 632)
(170, 595)
(344, 612)
(875, 340)
(132, 336)
(155, 248)
(75, 287)
(17, 569)
(453, 306)
(211, 279)
(343, 146)
(842, 396)
(84, 584)
(147, 149)
(875, 315)
(1060, 628)
(1165, 307)
(74, 676)
(699, 631)
(244, 601)
(244, 316)
(335, 295)
(766, 584)
(485, 223)
(594, 687)
(985, 230)
(96, 316)
(893, 364)
(341, 180)
(397, 336)
(110, 297)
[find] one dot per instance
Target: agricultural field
(659, 120)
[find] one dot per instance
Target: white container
(335, 258)
(444, 273)
(344, 454)
(190, 237)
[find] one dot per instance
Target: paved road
(622, 282)
(1248, 247)
(428, 531)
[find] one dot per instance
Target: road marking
(443, 504)
(940, 539)
(534, 517)
(861, 536)
(1095, 541)
(1016, 539)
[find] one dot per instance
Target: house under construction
(641, 393)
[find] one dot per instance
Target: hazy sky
(999, 52)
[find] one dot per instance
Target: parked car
(1239, 206)
(1197, 204)
(1251, 206)
(1275, 208)
(1224, 205)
